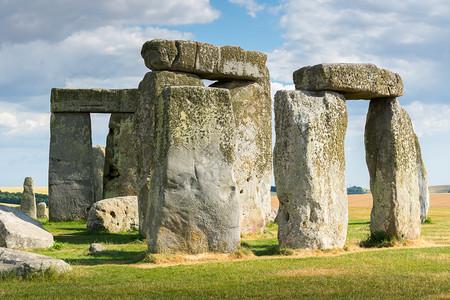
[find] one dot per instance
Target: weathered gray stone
(17, 230)
(98, 165)
(193, 206)
(391, 158)
(93, 100)
(41, 211)
(355, 81)
(96, 248)
(309, 168)
(28, 200)
(120, 175)
(205, 60)
(70, 182)
(424, 194)
(114, 215)
(252, 109)
(21, 263)
(149, 90)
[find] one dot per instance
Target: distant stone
(17, 230)
(96, 248)
(42, 210)
(309, 169)
(391, 158)
(192, 203)
(21, 263)
(98, 165)
(120, 175)
(355, 81)
(424, 194)
(205, 60)
(114, 215)
(28, 200)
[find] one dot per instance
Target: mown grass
(259, 270)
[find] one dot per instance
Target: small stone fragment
(309, 169)
(42, 210)
(354, 81)
(28, 200)
(96, 248)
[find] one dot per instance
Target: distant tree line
(355, 190)
(14, 198)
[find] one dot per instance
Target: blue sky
(85, 43)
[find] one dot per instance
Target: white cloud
(27, 20)
(15, 121)
(251, 5)
(277, 86)
(429, 119)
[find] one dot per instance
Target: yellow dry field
(39, 190)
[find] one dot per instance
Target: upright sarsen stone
(309, 168)
(391, 158)
(193, 206)
(28, 200)
(98, 165)
(120, 170)
(424, 194)
(70, 182)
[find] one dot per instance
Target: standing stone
(193, 206)
(309, 167)
(70, 182)
(252, 110)
(424, 194)
(149, 90)
(391, 158)
(120, 176)
(42, 210)
(98, 165)
(28, 200)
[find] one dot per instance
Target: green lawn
(259, 270)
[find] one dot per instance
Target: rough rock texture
(355, 81)
(41, 211)
(28, 200)
(96, 248)
(21, 263)
(193, 205)
(309, 168)
(98, 165)
(149, 90)
(93, 100)
(17, 230)
(391, 158)
(424, 194)
(114, 215)
(70, 175)
(120, 176)
(205, 60)
(253, 156)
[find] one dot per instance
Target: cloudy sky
(85, 43)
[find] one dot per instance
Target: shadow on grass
(359, 223)
(116, 257)
(266, 250)
(98, 237)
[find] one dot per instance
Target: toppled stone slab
(144, 134)
(96, 248)
(391, 158)
(114, 215)
(70, 174)
(41, 210)
(17, 230)
(193, 206)
(424, 194)
(93, 100)
(28, 200)
(354, 81)
(21, 263)
(309, 169)
(98, 166)
(120, 170)
(252, 167)
(203, 59)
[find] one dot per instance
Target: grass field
(259, 270)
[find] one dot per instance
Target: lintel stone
(355, 81)
(93, 100)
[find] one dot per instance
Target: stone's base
(309, 168)
(391, 158)
(193, 206)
